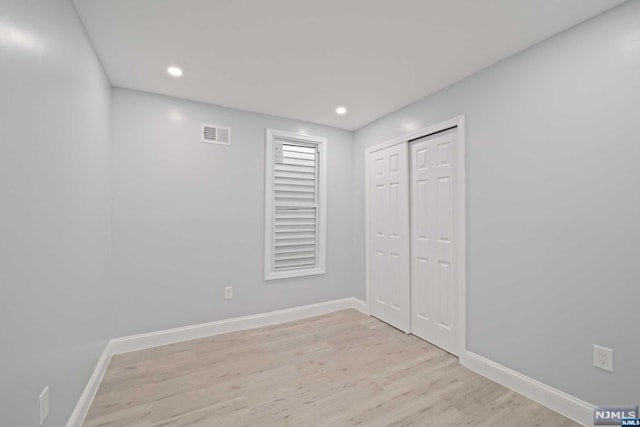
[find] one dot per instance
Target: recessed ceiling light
(341, 110)
(174, 71)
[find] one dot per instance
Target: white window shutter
(294, 238)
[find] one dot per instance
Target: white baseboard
(563, 403)
(86, 398)
(361, 306)
(192, 332)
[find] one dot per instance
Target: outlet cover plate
(228, 292)
(603, 358)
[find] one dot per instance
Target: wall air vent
(214, 134)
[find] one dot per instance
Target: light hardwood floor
(340, 369)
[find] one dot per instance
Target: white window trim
(321, 143)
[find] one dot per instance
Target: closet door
(433, 215)
(389, 236)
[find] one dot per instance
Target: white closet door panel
(389, 236)
(433, 291)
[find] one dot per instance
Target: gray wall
(56, 307)
(189, 217)
(552, 199)
(553, 151)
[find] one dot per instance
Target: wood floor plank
(339, 369)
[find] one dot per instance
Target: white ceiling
(300, 58)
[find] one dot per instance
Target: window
(295, 205)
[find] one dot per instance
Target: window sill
(274, 275)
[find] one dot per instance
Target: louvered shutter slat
(295, 234)
(296, 188)
(303, 196)
(300, 183)
(294, 242)
(296, 223)
(295, 255)
(302, 156)
(295, 263)
(308, 170)
(298, 162)
(293, 148)
(296, 227)
(294, 249)
(303, 176)
(296, 214)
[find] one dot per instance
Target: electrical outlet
(44, 405)
(603, 358)
(228, 292)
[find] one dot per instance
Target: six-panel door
(433, 216)
(389, 236)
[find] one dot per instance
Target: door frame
(461, 226)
